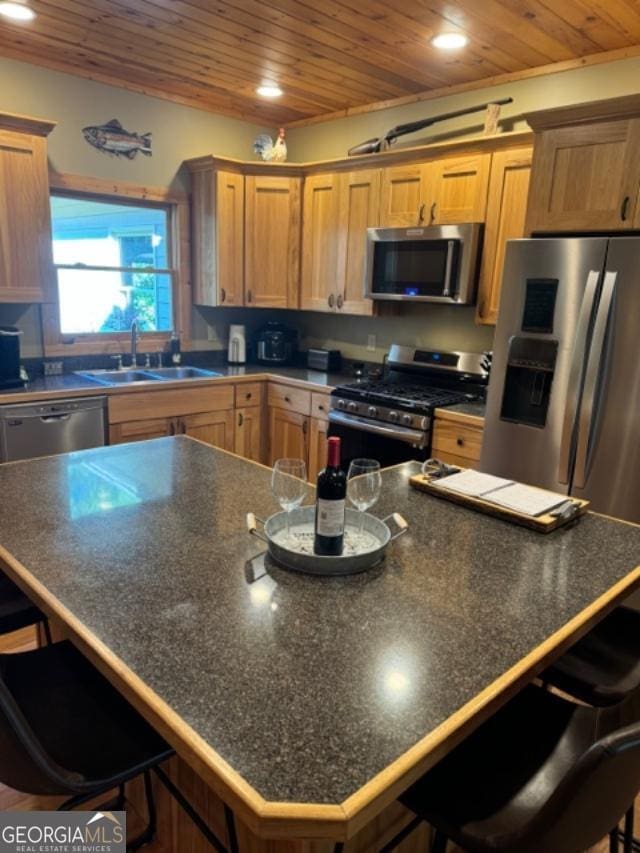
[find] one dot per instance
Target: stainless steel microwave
(438, 263)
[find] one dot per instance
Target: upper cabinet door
(360, 209)
(506, 211)
(460, 186)
(321, 243)
(26, 255)
(218, 237)
(227, 260)
(404, 196)
(585, 177)
(272, 241)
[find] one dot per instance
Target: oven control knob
(372, 412)
(407, 420)
(352, 407)
(394, 417)
(341, 404)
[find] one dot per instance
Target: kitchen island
(306, 704)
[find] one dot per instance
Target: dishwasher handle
(48, 419)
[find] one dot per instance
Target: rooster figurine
(265, 147)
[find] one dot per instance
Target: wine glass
(289, 485)
(364, 482)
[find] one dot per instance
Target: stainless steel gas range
(391, 419)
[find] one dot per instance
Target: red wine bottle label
(330, 518)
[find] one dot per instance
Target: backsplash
(447, 327)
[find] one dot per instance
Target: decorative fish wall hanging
(114, 139)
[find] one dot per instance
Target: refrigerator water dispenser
(527, 389)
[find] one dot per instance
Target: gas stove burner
(398, 394)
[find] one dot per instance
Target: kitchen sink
(180, 373)
(125, 377)
(117, 377)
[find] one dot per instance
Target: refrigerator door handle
(575, 377)
(595, 364)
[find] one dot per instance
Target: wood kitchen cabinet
(124, 433)
(459, 187)
(272, 241)
(586, 167)
(318, 430)
(215, 428)
(288, 435)
(248, 433)
(338, 209)
(217, 234)
(505, 220)
(321, 229)
(26, 260)
(402, 196)
(444, 191)
(457, 438)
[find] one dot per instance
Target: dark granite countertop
(307, 687)
(477, 408)
(71, 384)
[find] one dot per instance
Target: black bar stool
(602, 670)
(542, 774)
(65, 731)
(17, 611)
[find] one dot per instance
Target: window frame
(55, 343)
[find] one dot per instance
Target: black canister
(10, 357)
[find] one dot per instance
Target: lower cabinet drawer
(249, 394)
(290, 399)
(455, 439)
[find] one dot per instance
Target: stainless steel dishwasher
(42, 429)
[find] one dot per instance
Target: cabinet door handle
(331, 300)
(172, 427)
(624, 208)
(305, 426)
(240, 419)
(432, 213)
(249, 296)
(340, 301)
(460, 442)
(183, 427)
(287, 399)
(248, 396)
(223, 295)
(421, 213)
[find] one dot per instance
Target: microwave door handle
(595, 367)
(575, 376)
(448, 270)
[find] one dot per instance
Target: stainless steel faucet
(134, 342)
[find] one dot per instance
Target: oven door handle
(410, 436)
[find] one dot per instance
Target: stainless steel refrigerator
(563, 407)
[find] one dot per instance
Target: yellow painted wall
(334, 138)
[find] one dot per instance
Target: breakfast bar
(305, 704)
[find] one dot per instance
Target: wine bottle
(330, 506)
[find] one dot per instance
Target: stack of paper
(526, 500)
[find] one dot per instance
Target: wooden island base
(178, 834)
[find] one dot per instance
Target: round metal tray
(361, 552)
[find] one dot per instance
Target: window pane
(102, 234)
(109, 301)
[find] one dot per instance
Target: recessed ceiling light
(17, 11)
(449, 41)
(269, 90)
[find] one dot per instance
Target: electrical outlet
(371, 343)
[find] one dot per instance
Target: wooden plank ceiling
(327, 55)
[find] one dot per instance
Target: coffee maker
(10, 357)
(276, 344)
